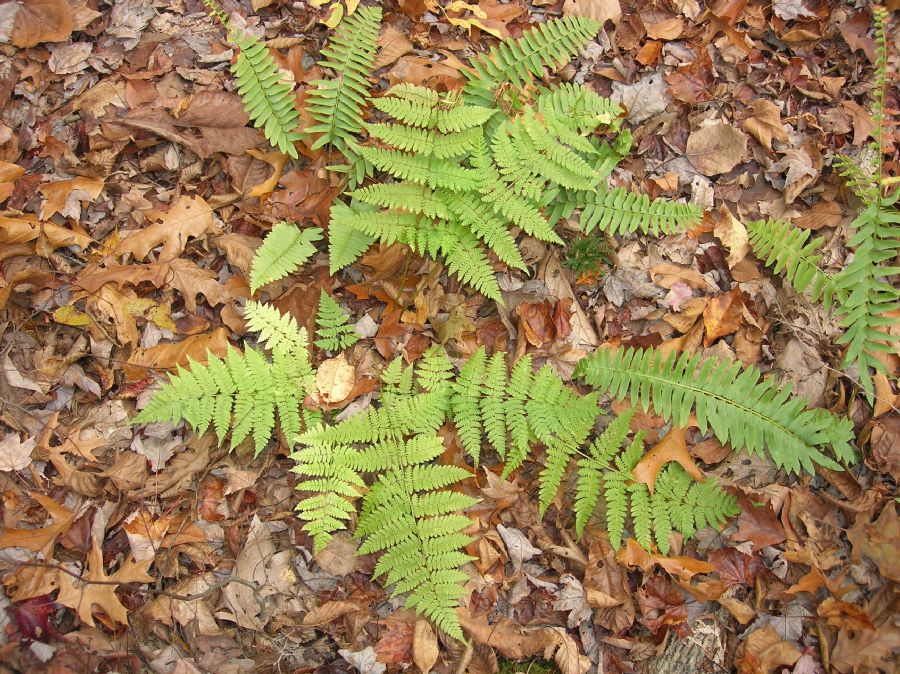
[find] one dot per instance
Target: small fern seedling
(334, 332)
(284, 250)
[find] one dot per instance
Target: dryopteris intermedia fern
(547, 45)
(790, 251)
(408, 512)
(677, 502)
(870, 296)
(336, 104)
(736, 403)
(284, 250)
(268, 99)
(334, 331)
(242, 392)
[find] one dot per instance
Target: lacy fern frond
(243, 392)
(268, 100)
(334, 332)
(547, 45)
(581, 107)
(738, 404)
(346, 242)
(336, 104)
(284, 250)
(790, 251)
(408, 513)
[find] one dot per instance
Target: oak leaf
(43, 538)
(96, 588)
(673, 447)
(765, 123)
(190, 217)
(24, 228)
(167, 356)
(64, 196)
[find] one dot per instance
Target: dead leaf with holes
(96, 589)
(673, 447)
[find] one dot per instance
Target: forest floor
(134, 195)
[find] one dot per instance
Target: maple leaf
(96, 588)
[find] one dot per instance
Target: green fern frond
(334, 332)
(284, 250)
(346, 242)
(581, 107)
(590, 468)
(521, 380)
(788, 250)
(738, 404)
(618, 211)
(409, 514)
(268, 100)
(547, 45)
(408, 197)
(243, 392)
(869, 294)
(336, 104)
(423, 170)
(424, 141)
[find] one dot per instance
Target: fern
(285, 249)
(336, 104)
(869, 296)
(739, 406)
(334, 332)
(618, 211)
(408, 513)
(268, 100)
(788, 250)
(243, 391)
(547, 45)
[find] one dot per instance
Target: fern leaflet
(284, 250)
(334, 332)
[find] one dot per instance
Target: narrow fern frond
(284, 250)
(336, 104)
(618, 211)
(408, 197)
(547, 45)
(346, 242)
(334, 331)
(738, 404)
(279, 332)
(521, 380)
(423, 170)
(268, 100)
(579, 106)
(788, 250)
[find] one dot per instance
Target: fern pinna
(677, 503)
(737, 404)
(408, 512)
(241, 393)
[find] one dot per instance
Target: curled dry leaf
(673, 447)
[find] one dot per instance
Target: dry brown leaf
(722, 316)
(673, 447)
(60, 195)
(598, 10)
(393, 43)
(667, 29)
(276, 160)
(184, 275)
(335, 379)
(23, 228)
(166, 356)
(43, 538)
(764, 652)
(716, 149)
(733, 234)
(330, 610)
(690, 311)
(190, 217)
(878, 540)
(95, 588)
(765, 123)
(666, 275)
(39, 21)
(424, 646)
